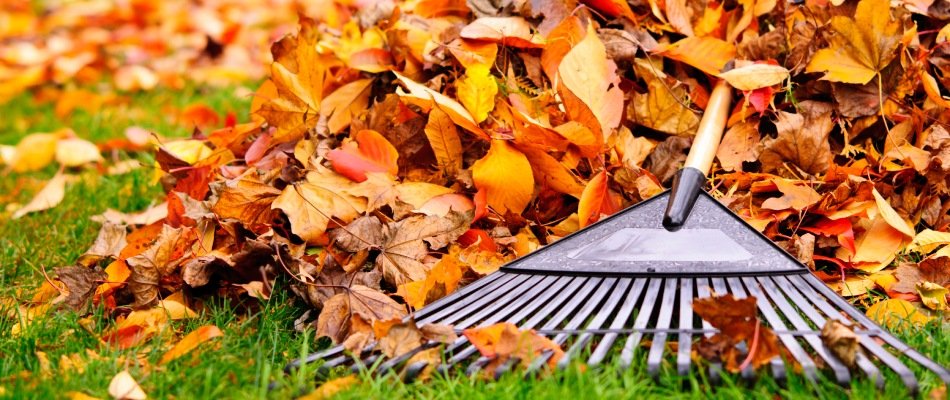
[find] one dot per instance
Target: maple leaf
(298, 77)
(504, 341)
(737, 321)
(311, 205)
(344, 103)
(370, 304)
(402, 244)
(81, 282)
(860, 47)
(161, 259)
(802, 140)
(246, 199)
(739, 144)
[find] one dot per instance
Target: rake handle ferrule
(690, 179)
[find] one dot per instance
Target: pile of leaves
(403, 149)
(136, 45)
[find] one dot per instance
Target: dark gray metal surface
(714, 241)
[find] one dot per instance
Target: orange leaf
(505, 175)
(706, 53)
(504, 341)
(191, 341)
(370, 153)
(841, 228)
(613, 8)
(595, 200)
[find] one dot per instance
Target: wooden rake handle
(690, 179)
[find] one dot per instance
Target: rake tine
(473, 303)
(804, 304)
(643, 317)
(505, 305)
(907, 376)
(606, 310)
(575, 321)
(740, 293)
(585, 287)
(703, 292)
(890, 339)
(312, 358)
(542, 285)
(655, 355)
(473, 288)
(719, 286)
(620, 320)
(839, 369)
(686, 322)
(402, 358)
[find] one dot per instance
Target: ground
(248, 360)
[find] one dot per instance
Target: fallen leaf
(737, 321)
(477, 90)
(310, 205)
(755, 76)
(75, 152)
(48, 197)
(369, 152)
(445, 142)
(587, 73)
(841, 341)
(896, 313)
(860, 47)
(596, 200)
(124, 387)
(331, 388)
(795, 197)
(802, 140)
(81, 283)
(190, 342)
(505, 175)
(708, 54)
(933, 296)
(504, 341)
(34, 152)
(739, 144)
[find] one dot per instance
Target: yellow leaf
(505, 175)
(34, 152)
(892, 217)
(426, 98)
(706, 53)
(124, 386)
(477, 90)
(861, 47)
(853, 286)
(191, 341)
(894, 313)
(879, 245)
(755, 76)
(311, 204)
(932, 295)
(344, 103)
(445, 142)
(331, 388)
(660, 108)
(48, 197)
(587, 74)
(75, 152)
(928, 240)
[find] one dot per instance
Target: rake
(627, 282)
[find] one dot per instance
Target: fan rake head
(592, 317)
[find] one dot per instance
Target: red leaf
(480, 237)
(760, 98)
(371, 152)
(838, 227)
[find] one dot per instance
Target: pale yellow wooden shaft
(709, 134)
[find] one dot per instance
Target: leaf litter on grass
(398, 152)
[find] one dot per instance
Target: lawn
(61, 353)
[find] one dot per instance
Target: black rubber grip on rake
(686, 187)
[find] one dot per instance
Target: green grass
(257, 345)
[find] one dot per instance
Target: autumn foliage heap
(399, 151)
